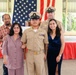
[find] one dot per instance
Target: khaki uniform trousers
(35, 63)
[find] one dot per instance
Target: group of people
(44, 42)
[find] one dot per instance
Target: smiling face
(16, 29)
(52, 25)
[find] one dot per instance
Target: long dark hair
(12, 31)
(57, 28)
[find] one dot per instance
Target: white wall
(12, 6)
(58, 12)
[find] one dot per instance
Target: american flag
(22, 8)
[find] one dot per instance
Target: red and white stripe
(42, 5)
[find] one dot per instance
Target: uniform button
(14, 58)
(15, 63)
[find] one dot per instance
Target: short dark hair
(57, 28)
(4, 15)
(12, 31)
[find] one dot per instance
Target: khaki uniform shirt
(35, 40)
(44, 25)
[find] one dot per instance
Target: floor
(68, 67)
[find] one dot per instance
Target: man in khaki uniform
(50, 15)
(35, 38)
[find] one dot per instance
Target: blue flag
(21, 11)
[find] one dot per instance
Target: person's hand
(44, 56)
(4, 61)
(23, 46)
(0, 45)
(58, 58)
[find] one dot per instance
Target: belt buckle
(35, 53)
